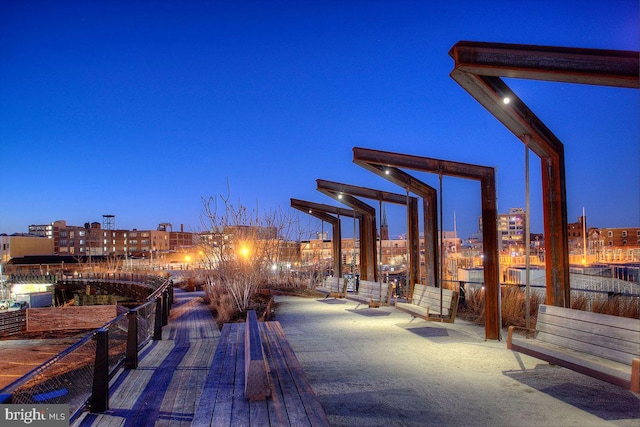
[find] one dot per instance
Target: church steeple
(384, 227)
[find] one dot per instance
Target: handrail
(140, 324)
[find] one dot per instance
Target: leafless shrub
(514, 307)
(243, 251)
(615, 306)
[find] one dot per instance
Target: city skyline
(141, 111)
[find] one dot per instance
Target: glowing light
(506, 100)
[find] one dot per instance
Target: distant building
(575, 230)
(614, 244)
(20, 245)
(510, 229)
(182, 239)
(629, 236)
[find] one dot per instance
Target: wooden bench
(332, 288)
(292, 402)
(256, 376)
(425, 303)
(601, 346)
(372, 293)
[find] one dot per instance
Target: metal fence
(12, 322)
(79, 376)
(591, 288)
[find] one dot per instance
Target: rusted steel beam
(413, 234)
(559, 64)
(556, 234)
(486, 176)
(323, 212)
(430, 215)
(314, 209)
(367, 228)
(478, 68)
(407, 161)
(367, 193)
(413, 243)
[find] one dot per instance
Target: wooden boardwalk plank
(224, 395)
(166, 387)
(204, 413)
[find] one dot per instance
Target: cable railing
(79, 376)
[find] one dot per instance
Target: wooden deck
(223, 401)
(165, 388)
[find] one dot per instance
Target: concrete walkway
(380, 367)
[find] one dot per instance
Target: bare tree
(243, 249)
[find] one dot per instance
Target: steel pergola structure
(478, 68)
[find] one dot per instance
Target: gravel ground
(380, 367)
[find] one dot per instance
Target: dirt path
(17, 357)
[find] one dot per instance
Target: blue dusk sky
(140, 109)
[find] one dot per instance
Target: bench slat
(285, 395)
(413, 309)
(603, 319)
(429, 296)
(222, 402)
(314, 412)
(602, 346)
(593, 366)
(556, 322)
(598, 348)
(604, 341)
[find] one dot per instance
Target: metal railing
(143, 279)
(79, 376)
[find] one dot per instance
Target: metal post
(157, 327)
(131, 357)
(441, 276)
(165, 307)
(100, 390)
(380, 253)
(527, 236)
